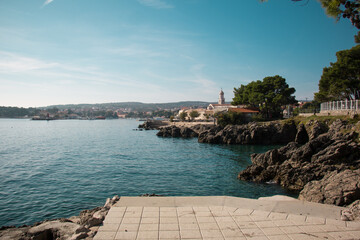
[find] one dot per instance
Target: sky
(156, 51)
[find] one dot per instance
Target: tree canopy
(342, 79)
(269, 94)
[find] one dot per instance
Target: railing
(346, 105)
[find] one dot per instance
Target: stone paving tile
(211, 226)
(190, 234)
(111, 227)
(315, 220)
(311, 229)
(242, 219)
(341, 235)
(272, 231)
(220, 214)
(112, 220)
(246, 225)
(224, 220)
(301, 236)
(185, 226)
(251, 232)
(242, 211)
(130, 220)
(279, 237)
(169, 235)
(266, 224)
(150, 220)
(297, 218)
(227, 225)
(134, 209)
(356, 234)
(203, 214)
(149, 227)
(218, 222)
(216, 208)
(168, 220)
(128, 227)
(169, 227)
(355, 225)
(283, 223)
(227, 233)
(151, 209)
(148, 234)
(125, 235)
(291, 229)
(104, 235)
(206, 220)
(206, 233)
(277, 216)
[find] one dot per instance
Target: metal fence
(345, 105)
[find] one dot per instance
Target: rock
(79, 236)
(354, 209)
(53, 230)
(302, 136)
(293, 166)
(315, 129)
(335, 188)
(152, 125)
(252, 133)
(14, 233)
(77, 227)
(175, 132)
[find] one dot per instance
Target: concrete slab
(223, 217)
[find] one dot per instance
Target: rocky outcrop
(252, 133)
(183, 132)
(338, 188)
(295, 165)
(152, 125)
(73, 228)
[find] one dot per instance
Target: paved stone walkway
(223, 218)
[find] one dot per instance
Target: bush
(224, 119)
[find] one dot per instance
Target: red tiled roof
(243, 110)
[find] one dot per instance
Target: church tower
(221, 97)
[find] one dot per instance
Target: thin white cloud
(159, 4)
(48, 2)
(10, 62)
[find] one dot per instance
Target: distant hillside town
(190, 110)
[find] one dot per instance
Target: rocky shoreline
(84, 226)
(320, 161)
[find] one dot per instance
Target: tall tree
(269, 94)
(342, 79)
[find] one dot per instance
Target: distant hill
(135, 106)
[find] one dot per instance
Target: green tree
(342, 79)
(269, 94)
(194, 114)
(183, 116)
(227, 118)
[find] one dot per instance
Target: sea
(54, 169)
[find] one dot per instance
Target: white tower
(221, 97)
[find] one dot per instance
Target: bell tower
(221, 97)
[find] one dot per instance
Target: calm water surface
(58, 168)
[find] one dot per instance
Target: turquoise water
(58, 168)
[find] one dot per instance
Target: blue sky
(96, 51)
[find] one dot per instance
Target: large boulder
(293, 165)
(53, 230)
(252, 133)
(335, 188)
